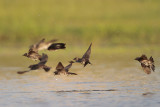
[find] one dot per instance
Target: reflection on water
(110, 83)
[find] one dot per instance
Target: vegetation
(104, 22)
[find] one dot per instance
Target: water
(106, 83)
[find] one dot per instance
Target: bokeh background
(120, 31)
(78, 22)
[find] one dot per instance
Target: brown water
(109, 82)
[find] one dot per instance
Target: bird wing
(43, 59)
(151, 59)
(35, 47)
(144, 57)
(51, 41)
(22, 72)
(88, 52)
(70, 73)
(152, 63)
(59, 66)
(140, 59)
(55, 46)
(34, 66)
(68, 67)
(153, 67)
(45, 45)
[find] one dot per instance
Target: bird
(42, 45)
(60, 69)
(147, 64)
(34, 55)
(85, 58)
(40, 65)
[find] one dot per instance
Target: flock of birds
(146, 64)
(52, 46)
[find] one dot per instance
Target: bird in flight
(85, 58)
(147, 64)
(60, 69)
(42, 45)
(40, 65)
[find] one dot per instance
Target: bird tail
(56, 46)
(46, 68)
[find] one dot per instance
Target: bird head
(71, 62)
(25, 54)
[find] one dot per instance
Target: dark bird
(60, 69)
(85, 58)
(40, 65)
(147, 64)
(42, 45)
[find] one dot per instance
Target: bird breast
(146, 63)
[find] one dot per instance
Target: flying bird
(42, 45)
(40, 65)
(60, 69)
(34, 55)
(147, 64)
(85, 58)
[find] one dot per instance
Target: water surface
(108, 82)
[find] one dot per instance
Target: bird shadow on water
(72, 91)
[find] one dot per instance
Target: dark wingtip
(21, 72)
(56, 46)
(70, 73)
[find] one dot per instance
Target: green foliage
(104, 22)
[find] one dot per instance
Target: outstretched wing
(68, 67)
(59, 67)
(43, 59)
(51, 41)
(22, 72)
(88, 52)
(70, 73)
(152, 63)
(35, 47)
(151, 59)
(153, 67)
(143, 57)
(45, 45)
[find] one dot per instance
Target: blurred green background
(78, 22)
